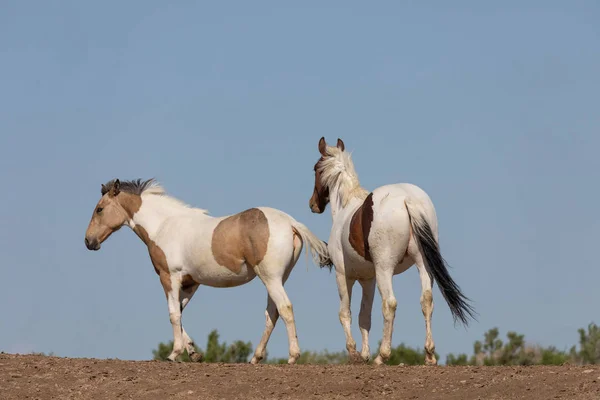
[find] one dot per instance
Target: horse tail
(435, 264)
(318, 247)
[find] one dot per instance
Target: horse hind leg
(427, 308)
(345, 285)
(279, 304)
(271, 315)
(285, 309)
(364, 317)
(384, 277)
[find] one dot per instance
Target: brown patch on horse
(131, 203)
(157, 256)
(241, 238)
(320, 196)
(360, 226)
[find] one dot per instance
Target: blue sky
(491, 108)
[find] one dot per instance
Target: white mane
(155, 189)
(338, 174)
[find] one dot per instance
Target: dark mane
(136, 186)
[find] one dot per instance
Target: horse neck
(344, 199)
(154, 210)
(345, 191)
(339, 211)
(335, 200)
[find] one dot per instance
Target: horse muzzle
(92, 244)
(315, 207)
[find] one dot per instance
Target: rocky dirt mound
(38, 377)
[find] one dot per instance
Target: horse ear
(103, 190)
(322, 146)
(340, 144)
(116, 189)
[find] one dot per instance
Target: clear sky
(491, 108)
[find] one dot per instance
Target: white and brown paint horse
(378, 235)
(189, 248)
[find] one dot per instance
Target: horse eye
(99, 210)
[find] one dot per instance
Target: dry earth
(38, 377)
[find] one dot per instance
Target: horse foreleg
(186, 295)
(172, 286)
(427, 308)
(345, 314)
(388, 305)
(364, 317)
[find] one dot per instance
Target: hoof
(431, 361)
(196, 357)
(378, 361)
(292, 360)
(355, 358)
(174, 357)
(255, 360)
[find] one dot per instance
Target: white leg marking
(364, 318)
(345, 291)
(271, 315)
(427, 308)
(284, 307)
(175, 317)
(186, 296)
(274, 271)
(388, 305)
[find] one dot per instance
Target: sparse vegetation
(237, 352)
(492, 350)
(515, 351)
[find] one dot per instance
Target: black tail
(438, 272)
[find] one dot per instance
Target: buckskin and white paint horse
(378, 235)
(189, 248)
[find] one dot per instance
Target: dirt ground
(38, 377)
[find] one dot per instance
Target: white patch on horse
(403, 232)
(179, 240)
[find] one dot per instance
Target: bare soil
(39, 377)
